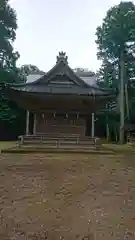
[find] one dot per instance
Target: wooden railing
(58, 141)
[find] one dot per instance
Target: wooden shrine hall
(61, 102)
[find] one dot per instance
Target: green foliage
(28, 69)
(8, 70)
(116, 34)
(8, 26)
(116, 38)
(118, 29)
(108, 75)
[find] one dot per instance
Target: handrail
(59, 140)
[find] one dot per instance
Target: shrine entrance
(60, 123)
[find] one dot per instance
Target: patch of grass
(7, 144)
(118, 147)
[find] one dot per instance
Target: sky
(46, 27)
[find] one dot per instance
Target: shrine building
(61, 101)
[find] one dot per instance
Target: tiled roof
(33, 77)
(91, 80)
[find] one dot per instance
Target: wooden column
(93, 126)
(27, 122)
(34, 123)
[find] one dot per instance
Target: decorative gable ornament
(62, 57)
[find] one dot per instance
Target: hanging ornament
(43, 116)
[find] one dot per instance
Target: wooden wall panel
(49, 124)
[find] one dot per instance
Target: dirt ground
(67, 197)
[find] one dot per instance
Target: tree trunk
(116, 135)
(122, 117)
(127, 102)
(107, 130)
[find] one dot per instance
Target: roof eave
(107, 95)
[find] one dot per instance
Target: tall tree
(116, 44)
(8, 70)
(28, 69)
(8, 26)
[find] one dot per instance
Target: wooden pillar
(93, 126)
(34, 123)
(27, 122)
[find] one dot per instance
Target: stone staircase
(58, 144)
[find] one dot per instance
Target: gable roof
(61, 68)
(81, 78)
(91, 80)
(61, 79)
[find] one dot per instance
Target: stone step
(27, 150)
(60, 146)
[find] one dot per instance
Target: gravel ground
(67, 197)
